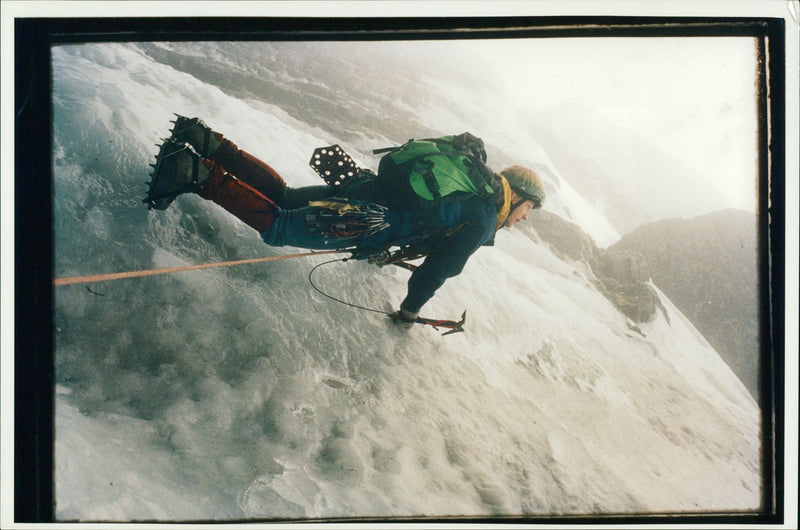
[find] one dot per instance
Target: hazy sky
(694, 97)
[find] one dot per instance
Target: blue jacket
(446, 257)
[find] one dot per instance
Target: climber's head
(527, 192)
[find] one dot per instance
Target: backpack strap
(430, 180)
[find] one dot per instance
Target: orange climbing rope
(150, 272)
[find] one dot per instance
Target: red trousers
(242, 184)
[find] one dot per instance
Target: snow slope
(241, 393)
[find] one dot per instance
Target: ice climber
(433, 198)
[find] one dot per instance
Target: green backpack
(426, 172)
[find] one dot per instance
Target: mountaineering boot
(213, 145)
(178, 169)
(197, 133)
(238, 197)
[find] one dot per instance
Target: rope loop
(320, 291)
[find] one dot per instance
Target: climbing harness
(453, 325)
(346, 221)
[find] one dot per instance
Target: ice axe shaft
(452, 325)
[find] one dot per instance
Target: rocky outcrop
(567, 239)
(624, 280)
(621, 277)
(707, 266)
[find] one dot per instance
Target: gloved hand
(405, 318)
